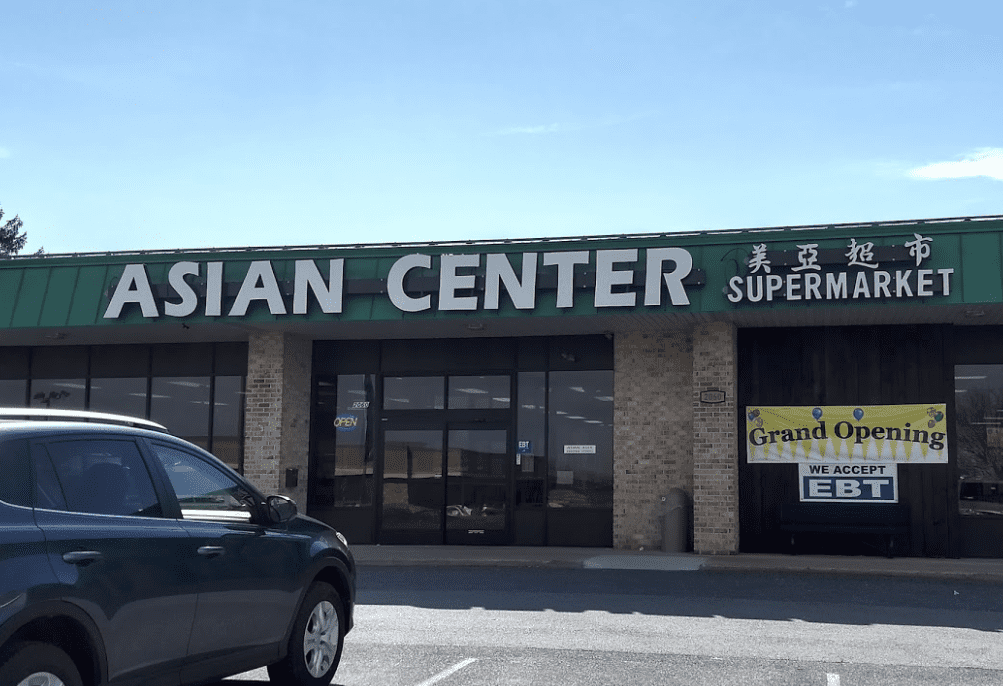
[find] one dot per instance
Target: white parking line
(832, 679)
(455, 668)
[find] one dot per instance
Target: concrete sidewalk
(975, 569)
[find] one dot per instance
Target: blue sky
(163, 125)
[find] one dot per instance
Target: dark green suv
(129, 556)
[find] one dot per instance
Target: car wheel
(316, 641)
(38, 664)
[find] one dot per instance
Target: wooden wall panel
(884, 365)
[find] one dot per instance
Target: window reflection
(476, 466)
(531, 439)
(181, 403)
(58, 394)
(479, 392)
(227, 418)
(345, 441)
(978, 396)
(119, 396)
(413, 393)
(412, 480)
(12, 392)
(56, 379)
(581, 439)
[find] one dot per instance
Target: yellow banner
(830, 434)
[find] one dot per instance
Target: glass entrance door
(450, 483)
(413, 486)
(478, 488)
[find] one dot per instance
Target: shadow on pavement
(735, 595)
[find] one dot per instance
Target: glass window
(227, 418)
(181, 403)
(99, 477)
(479, 392)
(355, 444)
(476, 464)
(15, 476)
(12, 392)
(48, 492)
(581, 439)
(978, 393)
(204, 492)
(531, 439)
(413, 393)
(412, 480)
(119, 396)
(58, 394)
(344, 441)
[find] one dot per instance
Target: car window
(204, 492)
(15, 477)
(99, 476)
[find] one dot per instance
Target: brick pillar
(652, 432)
(715, 447)
(277, 413)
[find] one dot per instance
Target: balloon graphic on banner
(858, 414)
(817, 413)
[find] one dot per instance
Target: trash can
(675, 524)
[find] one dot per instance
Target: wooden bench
(886, 520)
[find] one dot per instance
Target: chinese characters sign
(858, 272)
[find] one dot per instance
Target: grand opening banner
(842, 434)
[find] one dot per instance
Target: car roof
(50, 415)
(10, 428)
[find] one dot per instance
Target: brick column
(652, 432)
(277, 412)
(715, 447)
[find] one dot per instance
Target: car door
(249, 574)
(114, 553)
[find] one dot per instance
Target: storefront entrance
(450, 483)
(474, 442)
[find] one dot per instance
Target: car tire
(32, 663)
(316, 641)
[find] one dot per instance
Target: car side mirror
(280, 508)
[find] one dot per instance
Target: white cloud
(984, 162)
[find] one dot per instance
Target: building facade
(561, 391)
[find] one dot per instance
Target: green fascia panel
(89, 300)
(10, 286)
(30, 299)
(982, 268)
(58, 296)
(77, 291)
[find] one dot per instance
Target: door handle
(82, 557)
(211, 550)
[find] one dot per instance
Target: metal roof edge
(710, 234)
